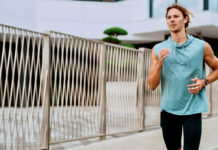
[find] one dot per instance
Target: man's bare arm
(211, 60)
(156, 66)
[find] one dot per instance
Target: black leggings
(172, 130)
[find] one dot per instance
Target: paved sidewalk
(152, 140)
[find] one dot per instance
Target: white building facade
(143, 19)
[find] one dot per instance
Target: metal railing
(74, 83)
(152, 98)
(21, 88)
(57, 88)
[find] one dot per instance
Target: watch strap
(206, 81)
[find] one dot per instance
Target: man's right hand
(161, 56)
(155, 69)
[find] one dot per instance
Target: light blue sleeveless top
(184, 63)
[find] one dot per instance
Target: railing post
(141, 86)
(102, 91)
(45, 124)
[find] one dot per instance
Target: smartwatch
(206, 81)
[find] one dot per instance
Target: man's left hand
(197, 86)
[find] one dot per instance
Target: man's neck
(179, 37)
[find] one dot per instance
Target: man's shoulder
(160, 44)
(198, 40)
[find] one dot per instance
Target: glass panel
(159, 7)
(213, 5)
(192, 5)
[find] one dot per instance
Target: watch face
(206, 82)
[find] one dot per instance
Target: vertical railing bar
(146, 75)
(90, 83)
(85, 90)
(19, 92)
(13, 72)
(1, 66)
(30, 88)
(127, 66)
(102, 90)
(76, 98)
(82, 89)
(61, 86)
(110, 49)
(141, 82)
(118, 71)
(71, 88)
(132, 66)
(121, 61)
(127, 92)
(92, 71)
(68, 84)
(115, 66)
(54, 71)
(131, 120)
(64, 87)
(6, 88)
(93, 76)
(88, 100)
(76, 66)
(16, 99)
(38, 92)
(45, 123)
(115, 79)
(149, 91)
(74, 86)
(122, 101)
(58, 66)
(78, 88)
(1, 70)
(94, 82)
(66, 124)
(24, 82)
(129, 116)
(97, 81)
(134, 69)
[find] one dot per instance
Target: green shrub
(115, 31)
(111, 39)
(128, 45)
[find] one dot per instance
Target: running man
(179, 64)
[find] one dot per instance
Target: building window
(100, 0)
(192, 5)
(213, 5)
(158, 7)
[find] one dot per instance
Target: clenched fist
(162, 55)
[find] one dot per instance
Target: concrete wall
(89, 19)
(20, 13)
(80, 18)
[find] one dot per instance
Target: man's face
(175, 20)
